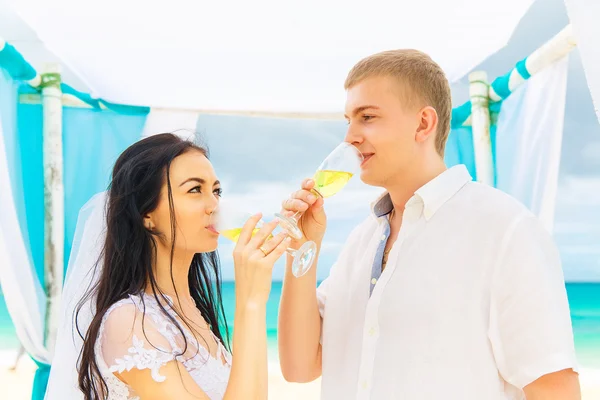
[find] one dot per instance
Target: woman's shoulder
(124, 310)
(133, 330)
(133, 310)
(119, 321)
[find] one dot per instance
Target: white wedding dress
(123, 342)
(136, 334)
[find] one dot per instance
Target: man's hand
(313, 221)
(561, 385)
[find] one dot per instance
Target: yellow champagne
(234, 234)
(329, 183)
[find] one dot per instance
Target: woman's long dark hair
(137, 179)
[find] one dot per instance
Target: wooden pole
(480, 121)
(547, 54)
(53, 199)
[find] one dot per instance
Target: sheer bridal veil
(81, 275)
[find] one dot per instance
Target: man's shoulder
(479, 198)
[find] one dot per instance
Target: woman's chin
(209, 246)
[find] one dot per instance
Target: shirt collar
(383, 205)
(433, 194)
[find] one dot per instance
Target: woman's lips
(212, 229)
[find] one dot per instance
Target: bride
(144, 291)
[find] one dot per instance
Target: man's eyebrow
(360, 109)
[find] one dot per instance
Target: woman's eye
(195, 189)
(218, 192)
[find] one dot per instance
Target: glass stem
(296, 216)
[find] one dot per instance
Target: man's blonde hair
(423, 78)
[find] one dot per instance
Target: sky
(261, 161)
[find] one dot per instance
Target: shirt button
(383, 237)
(365, 384)
(372, 332)
(373, 281)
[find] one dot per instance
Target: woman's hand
(254, 257)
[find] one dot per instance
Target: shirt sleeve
(322, 291)
(530, 325)
(130, 340)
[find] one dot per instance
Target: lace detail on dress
(142, 358)
(135, 334)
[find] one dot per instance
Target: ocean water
(8, 338)
(584, 302)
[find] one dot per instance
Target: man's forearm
(561, 385)
(299, 327)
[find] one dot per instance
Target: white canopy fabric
(24, 296)
(261, 55)
(584, 18)
(529, 137)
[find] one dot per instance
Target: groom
(449, 290)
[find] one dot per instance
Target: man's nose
(353, 135)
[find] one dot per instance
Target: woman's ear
(148, 224)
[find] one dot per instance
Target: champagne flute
(331, 177)
(229, 220)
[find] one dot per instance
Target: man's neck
(402, 188)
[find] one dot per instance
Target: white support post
(480, 122)
(550, 52)
(53, 199)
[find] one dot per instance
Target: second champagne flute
(228, 220)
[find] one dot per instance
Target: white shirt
(470, 306)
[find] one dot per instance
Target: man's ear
(428, 121)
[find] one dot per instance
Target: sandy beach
(16, 385)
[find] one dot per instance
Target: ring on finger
(265, 252)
